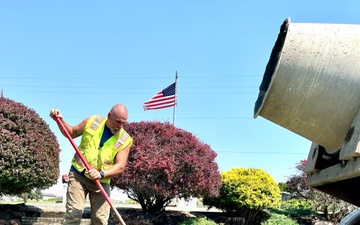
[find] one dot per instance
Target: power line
(211, 118)
(80, 87)
(247, 152)
(121, 78)
(269, 153)
(92, 87)
(130, 93)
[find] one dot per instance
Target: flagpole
(174, 115)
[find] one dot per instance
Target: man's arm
(120, 163)
(116, 169)
(74, 131)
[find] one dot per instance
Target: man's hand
(55, 112)
(65, 178)
(94, 174)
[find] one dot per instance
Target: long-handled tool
(97, 182)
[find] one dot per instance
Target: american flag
(163, 99)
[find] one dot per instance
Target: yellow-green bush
(246, 192)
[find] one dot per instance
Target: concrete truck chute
(311, 86)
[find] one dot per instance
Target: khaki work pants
(78, 188)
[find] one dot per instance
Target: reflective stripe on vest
(78, 160)
(95, 124)
(121, 140)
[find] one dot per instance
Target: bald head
(119, 108)
(117, 117)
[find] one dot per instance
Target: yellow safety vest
(103, 158)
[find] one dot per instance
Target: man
(105, 145)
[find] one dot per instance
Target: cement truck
(311, 86)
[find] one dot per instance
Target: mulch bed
(136, 217)
(13, 214)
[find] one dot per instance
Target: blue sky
(82, 57)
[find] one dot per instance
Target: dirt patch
(12, 214)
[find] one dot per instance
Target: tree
(245, 193)
(35, 194)
(164, 163)
(282, 186)
(296, 184)
(29, 151)
(332, 208)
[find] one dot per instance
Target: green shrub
(276, 219)
(198, 221)
(298, 207)
(246, 193)
(296, 204)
